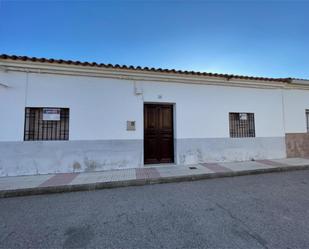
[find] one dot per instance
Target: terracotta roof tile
(130, 67)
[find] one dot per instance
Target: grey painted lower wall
(42, 157)
(28, 158)
(191, 150)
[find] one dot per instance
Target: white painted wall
(295, 104)
(99, 107)
(12, 106)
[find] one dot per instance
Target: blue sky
(262, 38)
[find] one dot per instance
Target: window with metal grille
(46, 124)
(242, 124)
(307, 119)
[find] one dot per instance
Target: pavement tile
(172, 168)
(105, 176)
(146, 173)
(178, 173)
(272, 163)
(215, 167)
(296, 161)
(249, 165)
(21, 182)
(194, 169)
(59, 179)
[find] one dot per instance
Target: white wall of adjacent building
(295, 104)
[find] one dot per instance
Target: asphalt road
(261, 211)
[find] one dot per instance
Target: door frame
(174, 130)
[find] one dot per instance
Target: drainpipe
(26, 88)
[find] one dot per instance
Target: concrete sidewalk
(55, 183)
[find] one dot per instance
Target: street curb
(141, 182)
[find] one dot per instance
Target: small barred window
(241, 124)
(46, 124)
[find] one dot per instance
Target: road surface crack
(246, 229)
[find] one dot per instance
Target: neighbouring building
(70, 116)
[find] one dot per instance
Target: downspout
(26, 88)
(140, 92)
(25, 102)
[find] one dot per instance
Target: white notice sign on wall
(51, 114)
(243, 116)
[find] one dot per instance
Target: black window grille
(242, 124)
(38, 129)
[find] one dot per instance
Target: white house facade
(63, 116)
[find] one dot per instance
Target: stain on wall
(201, 150)
(44, 157)
(76, 166)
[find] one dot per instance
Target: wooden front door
(158, 133)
